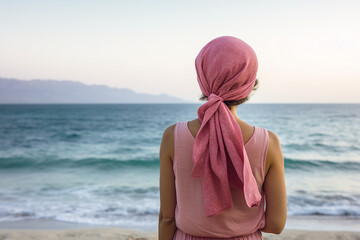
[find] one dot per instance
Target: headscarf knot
(215, 97)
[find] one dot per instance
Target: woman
(217, 171)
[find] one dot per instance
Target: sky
(308, 51)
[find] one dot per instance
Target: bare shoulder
(167, 144)
(273, 138)
(169, 132)
(274, 153)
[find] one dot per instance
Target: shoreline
(126, 234)
(306, 223)
(298, 227)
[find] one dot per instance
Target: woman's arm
(167, 226)
(274, 186)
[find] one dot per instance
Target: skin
(274, 184)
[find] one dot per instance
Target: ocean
(98, 164)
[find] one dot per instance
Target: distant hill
(51, 91)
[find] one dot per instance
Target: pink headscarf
(226, 70)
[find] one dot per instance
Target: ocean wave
(147, 192)
(113, 163)
(324, 211)
(324, 204)
(317, 146)
(343, 116)
(298, 164)
(98, 163)
(100, 205)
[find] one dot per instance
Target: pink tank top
(190, 213)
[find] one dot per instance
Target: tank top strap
(183, 140)
(258, 147)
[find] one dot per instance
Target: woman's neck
(233, 111)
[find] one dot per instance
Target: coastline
(299, 227)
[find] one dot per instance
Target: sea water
(98, 163)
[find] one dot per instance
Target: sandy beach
(330, 228)
(119, 234)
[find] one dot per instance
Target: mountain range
(53, 91)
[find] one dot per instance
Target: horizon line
(148, 103)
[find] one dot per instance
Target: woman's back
(216, 173)
(189, 213)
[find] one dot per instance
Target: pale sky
(308, 51)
